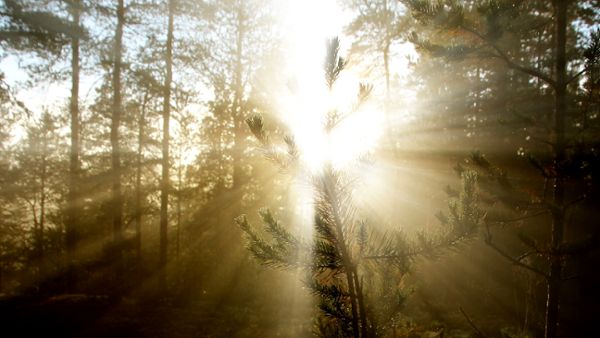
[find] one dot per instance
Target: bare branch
(478, 332)
(509, 62)
(581, 72)
(521, 218)
(527, 254)
(582, 246)
(515, 261)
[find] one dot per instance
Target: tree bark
(349, 269)
(117, 199)
(71, 237)
(138, 179)
(362, 307)
(165, 182)
(179, 184)
(238, 114)
(42, 220)
(386, 68)
(558, 213)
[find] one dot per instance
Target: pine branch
(516, 261)
(507, 60)
(334, 64)
(472, 324)
(520, 218)
(580, 247)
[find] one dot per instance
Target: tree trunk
(238, 118)
(386, 68)
(362, 307)
(73, 193)
(558, 213)
(117, 199)
(179, 183)
(40, 234)
(331, 195)
(138, 180)
(164, 195)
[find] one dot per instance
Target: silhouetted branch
(514, 260)
(472, 324)
(580, 247)
(521, 218)
(419, 252)
(581, 72)
(510, 63)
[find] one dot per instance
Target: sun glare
(309, 100)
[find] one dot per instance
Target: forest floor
(78, 315)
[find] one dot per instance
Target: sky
(307, 24)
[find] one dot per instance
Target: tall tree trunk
(138, 180)
(386, 66)
(73, 194)
(558, 212)
(117, 199)
(179, 183)
(238, 113)
(362, 307)
(349, 268)
(165, 185)
(42, 221)
(386, 53)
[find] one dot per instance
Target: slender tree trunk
(117, 199)
(390, 129)
(386, 68)
(71, 236)
(165, 184)
(179, 181)
(331, 194)
(477, 104)
(386, 54)
(238, 114)
(362, 308)
(558, 213)
(40, 235)
(138, 180)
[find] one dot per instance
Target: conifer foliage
(498, 33)
(336, 260)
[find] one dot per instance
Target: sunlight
(306, 105)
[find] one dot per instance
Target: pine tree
(117, 115)
(26, 27)
(72, 219)
(165, 180)
(38, 182)
(377, 27)
(339, 260)
(504, 34)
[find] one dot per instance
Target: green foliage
(32, 29)
(348, 264)
(334, 64)
(464, 215)
(532, 68)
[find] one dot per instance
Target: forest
(299, 168)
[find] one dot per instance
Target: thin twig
(520, 218)
(527, 254)
(416, 252)
(472, 324)
(510, 63)
(585, 69)
(515, 260)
